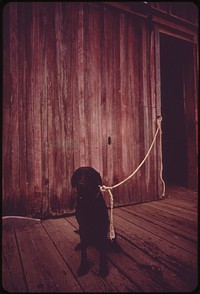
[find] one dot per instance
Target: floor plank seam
(165, 263)
(170, 212)
(160, 225)
(21, 262)
(62, 257)
(125, 275)
(168, 263)
(9, 272)
(157, 235)
(184, 208)
(165, 223)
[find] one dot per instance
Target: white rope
(104, 188)
(161, 160)
(112, 230)
(21, 217)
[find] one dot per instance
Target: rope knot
(104, 188)
(159, 120)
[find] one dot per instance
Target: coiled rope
(104, 188)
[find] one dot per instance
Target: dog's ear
(99, 179)
(74, 179)
(95, 178)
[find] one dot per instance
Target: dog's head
(86, 180)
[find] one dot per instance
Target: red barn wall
(74, 75)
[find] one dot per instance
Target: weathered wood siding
(187, 11)
(74, 75)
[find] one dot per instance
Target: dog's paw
(83, 269)
(103, 272)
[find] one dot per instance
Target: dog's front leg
(103, 267)
(84, 266)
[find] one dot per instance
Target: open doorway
(175, 156)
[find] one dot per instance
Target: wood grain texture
(76, 74)
(159, 251)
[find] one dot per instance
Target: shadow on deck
(159, 242)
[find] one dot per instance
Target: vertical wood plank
(108, 91)
(152, 53)
(14, 122)
(80, 65)
(123, 106)
(116, 112)
(73, 10)
(6, 135)
(87, 96)
(36, 87)
(103, 97)
(44, 109)
(59, 114)
(140, 109)
(94, 87)
(145, 169)
(24, 13)
(71, 144)
(136, 110)
(158, 103)
(56, 121)
(132, 109)
(29, 115)
(126, 105)
(50, 90)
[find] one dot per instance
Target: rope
(104, 188)
(21, 217)
(161, 161)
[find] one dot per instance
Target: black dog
(92, 217)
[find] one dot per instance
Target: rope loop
(103, 188)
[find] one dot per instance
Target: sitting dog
(92, 217)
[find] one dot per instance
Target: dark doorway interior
(175, 159)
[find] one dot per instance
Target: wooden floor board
(184, 227)
(11, 260)
(187, 214)
(44, 267)
(191, 206)
(161, 276)
(173, 236)
(159, 251)
(66, 239)
(182, 263)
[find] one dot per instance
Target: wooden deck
(159, 242)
